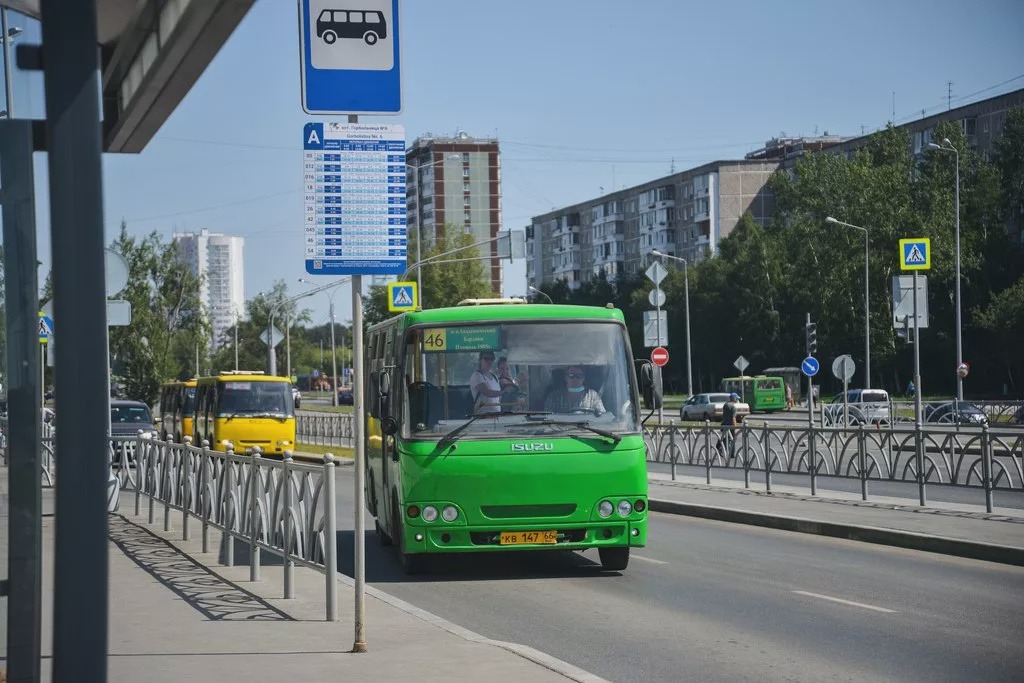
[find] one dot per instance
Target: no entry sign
(659, 356)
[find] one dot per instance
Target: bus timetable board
(354, 191)
(461, 339)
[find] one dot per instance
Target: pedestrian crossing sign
(916, 253)
(402, 296)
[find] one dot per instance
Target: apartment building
(457, 181)
(685, 214)
(217, 259)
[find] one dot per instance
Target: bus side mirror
(650, 387)
(384, 383)
(389, 426)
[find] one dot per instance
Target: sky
(584, 96)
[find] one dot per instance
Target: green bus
(762, 393)
(542, 466)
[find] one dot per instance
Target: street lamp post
(6, 36)
(959, 331)
(334, 355)
(686, 285)
(867, 300)
(537, 291)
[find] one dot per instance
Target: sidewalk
(949, 528)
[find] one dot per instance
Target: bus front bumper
(454, 538)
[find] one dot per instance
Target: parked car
(955, 412)
(296, 397)
(128, 417)
(866, 406)
(709, 407)
(345, 397)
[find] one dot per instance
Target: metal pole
(689, 362)
(8, 85)
(359, 412)
(917, 398)
(24, 524)
(334, 358)
(867, 317)
(331, 541)
(959, 331)
(657, 368)
(271, 356)
(288, 344)
(236, 342)
(73, 133)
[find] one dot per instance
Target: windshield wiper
(451, 436)
(584, 425)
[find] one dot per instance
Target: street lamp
(867, 301)
(334, 355)
(959, 332)
(686, 283)
(537, 291)
(7, 36)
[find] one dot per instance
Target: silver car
(868, 406)
(709, 407)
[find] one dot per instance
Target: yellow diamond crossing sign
(402, 296)
(916, 253)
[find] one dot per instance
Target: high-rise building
(217, 259)
(456, 181)
(685, 214)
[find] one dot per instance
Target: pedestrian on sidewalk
(730, 420)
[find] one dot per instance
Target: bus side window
(373, 355)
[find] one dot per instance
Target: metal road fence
(985, 458)
(279, 506)
(325, 429)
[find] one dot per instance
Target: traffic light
(812, 338)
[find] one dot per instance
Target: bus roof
(518, 311)
(240, 375)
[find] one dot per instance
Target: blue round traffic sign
(810, 366)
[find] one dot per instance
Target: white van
(870, 406)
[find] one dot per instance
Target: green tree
(168, 323)
(1003, 319)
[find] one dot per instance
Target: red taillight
(413, 510)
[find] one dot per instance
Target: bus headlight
(624, 508)
(429, 513)
(450, 513)
(284, 443)
(605, 508)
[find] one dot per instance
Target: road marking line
(648, 559)
(846, 602)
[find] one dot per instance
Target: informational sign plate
(350, 57)
(903, 301)
(354, 187)
(652, 327)
(461, 339)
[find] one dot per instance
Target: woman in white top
(485, 387)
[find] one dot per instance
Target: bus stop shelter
(113, 72)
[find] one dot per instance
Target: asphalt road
(712, 601)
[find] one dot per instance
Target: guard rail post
(862, 464)
(812, 459)
(205, 503)
(254, 514)
(152, 472)
(744, 431)
(986, 466)
(767, 458)
(139, 458)
(919, 451)
(228, 519)
(331, 542)
(707, 450)
(186, 490)
(671, 445)
(165, 489)
(289, 564)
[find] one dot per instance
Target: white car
(709, 407)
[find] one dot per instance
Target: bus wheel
(329, 37)
(411, 563)
(614, 559)
(370, 38)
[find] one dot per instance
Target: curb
(866, 534)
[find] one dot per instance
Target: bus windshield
(254, 398)
(517, 379)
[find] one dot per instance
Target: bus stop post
(359, 414)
